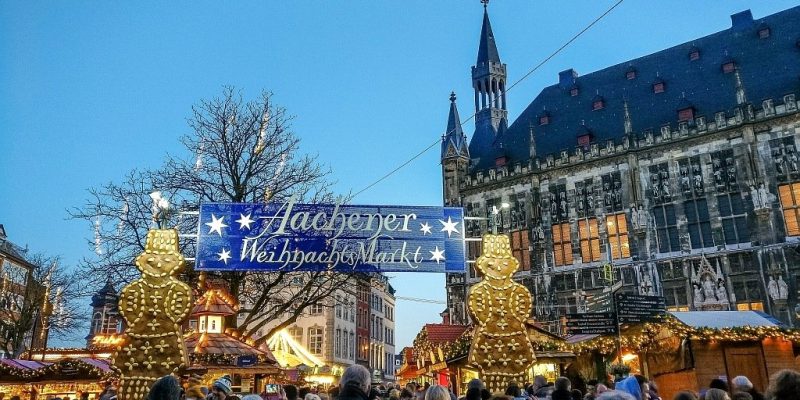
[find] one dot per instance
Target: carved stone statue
(772, 288)
(643, 216)
(709, 289)
(763, 196)
(722, 295)
(783, 289)
(698, 295)
(634, 217)
(755, 197)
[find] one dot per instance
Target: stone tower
(455, 166)
(105, 313)
(489, 82)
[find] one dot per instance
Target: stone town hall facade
(679, 169)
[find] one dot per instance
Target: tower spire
(454, 142)
(487, 48)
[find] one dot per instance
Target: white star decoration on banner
(224, 256)
(437, 255)
(244, 221)
(216, 224)
(425, 228)
(449, 226)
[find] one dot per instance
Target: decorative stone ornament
(154, 307)
(500, 350)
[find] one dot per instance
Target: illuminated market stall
(689, 349)
(66, 378)
(440, 355)
(300, 366)
(214, 351)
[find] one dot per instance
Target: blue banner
(291, 236)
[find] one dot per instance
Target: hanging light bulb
(123, 216)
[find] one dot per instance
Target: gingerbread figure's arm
(523, 303)
(130, 303)
(476, 301)
(179, 302)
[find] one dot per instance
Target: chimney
(741, 20)
(567, 78)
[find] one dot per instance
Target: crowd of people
(356, 384)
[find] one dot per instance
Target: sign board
(600, 302)
(291, 236)
(246, 361)
(591, 323)
(635, 308)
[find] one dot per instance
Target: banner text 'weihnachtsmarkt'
(290, 236)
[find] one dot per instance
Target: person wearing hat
(221, 389)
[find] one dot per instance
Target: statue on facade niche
(709, 289)
(698, 295)
(754, 197)
(772, 288)
(634, 217)
(722, 295)
(666, 189)
(643, 218)
(763, 196)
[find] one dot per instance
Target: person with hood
(166, 388)
(355, 383)
(743, 384)
(515, 392)
(221, 389)
(635, 387)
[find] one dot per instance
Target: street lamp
(495, 212)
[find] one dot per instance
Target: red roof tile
(220, 343)
(440, 333)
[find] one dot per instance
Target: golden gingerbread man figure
(154, 307)
(500, 348)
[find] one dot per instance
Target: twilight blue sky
(90, 90)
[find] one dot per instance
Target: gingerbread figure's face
(159, 264)
(497, 268)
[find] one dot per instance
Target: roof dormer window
(630, 74)
(685, 114)
(658, 87)
(544, 119)
(763, 33)
(694, 54)
(574, 91)
(598, 103)
(728, 67)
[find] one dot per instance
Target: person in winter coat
(355, 383)
(166, 388)
(743, 384)
(221, 389)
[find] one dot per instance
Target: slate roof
(442, 333)
(769, 68)
(106, 294)
(487, 48)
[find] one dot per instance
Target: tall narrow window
(590, 239)
(520, 248)
(338, 341)
(734, 218)
(790, 202)
(666, 228)
(748, 294)
(618, 236)
(562, 245)
(315, 341)
(699, 224)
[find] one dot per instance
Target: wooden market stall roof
(70, 369)
(215, 302)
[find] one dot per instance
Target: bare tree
(43, 299)
(238, 151)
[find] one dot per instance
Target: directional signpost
(592, 323)
(635, 308)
